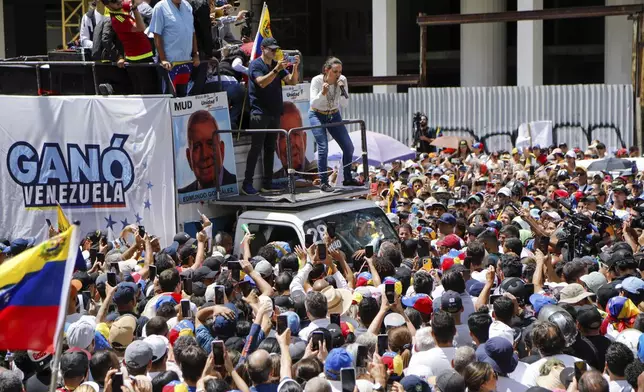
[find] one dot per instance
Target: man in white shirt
(438, 359)
(618, 356)
(549, 341)
(89, 22)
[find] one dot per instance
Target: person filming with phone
(328, 94)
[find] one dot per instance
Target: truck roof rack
(293, 196)
(285, 199)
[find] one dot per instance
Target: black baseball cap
(270, 43)
(589, 317)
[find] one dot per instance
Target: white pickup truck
(356, 224)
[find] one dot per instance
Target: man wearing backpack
(89, 22)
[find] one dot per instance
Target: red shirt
(136, 44)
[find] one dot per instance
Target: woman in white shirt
(328, 93)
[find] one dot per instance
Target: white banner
(105, 160)
(534, 133)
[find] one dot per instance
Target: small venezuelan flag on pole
(34, 291)
(263, 32)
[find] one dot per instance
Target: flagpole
(74, 244)
(56, 361)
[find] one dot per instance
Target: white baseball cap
(159, 345)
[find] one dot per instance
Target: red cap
(450, 241)
(559, 193)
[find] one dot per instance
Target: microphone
(343, 91)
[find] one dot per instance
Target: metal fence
(580, 113)
(382, 113)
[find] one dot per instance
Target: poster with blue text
(295, 115)
(104, 160)
(202, 156)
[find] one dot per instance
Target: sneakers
(105, 89)
(326, 188)
(247, 189)
(351, 182)
(271, 188)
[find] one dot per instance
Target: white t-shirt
(532, 372)
(618, 385)
(431, 362)
(518, 373)
(506, 384)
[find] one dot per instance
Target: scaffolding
(72, 13)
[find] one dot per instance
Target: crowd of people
(513, 272)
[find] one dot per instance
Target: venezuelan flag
(264, 31)
(34, 289)
(63, 222)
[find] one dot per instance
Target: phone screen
(282, 324)
(308, 240)
(580, 369)
(87, 296)
(187, 286)
(544, 244)
(361, 357)
(92, 255)
(234, 265)
(335, 318)
(153, 272)
(100, 257)
(383, 344)
(390, 291)
(141, 231)
(526, 204)
(348, 379)
(368, 251)
(117, 381)
(322, 251)
(218, 352)
(111, 279)
(185, 308)
(115, 267)
(48, 222)
(219, 295)
(316, 338)
(245, 288)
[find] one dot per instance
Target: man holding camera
(266, 106)
(224, 22)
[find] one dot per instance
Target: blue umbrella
(381, 149)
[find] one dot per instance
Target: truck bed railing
(290, 169)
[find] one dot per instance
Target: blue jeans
(340, 134)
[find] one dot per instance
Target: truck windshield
(353, 230)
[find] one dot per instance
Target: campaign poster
(103, 160)
(203, 157)
(295, 115)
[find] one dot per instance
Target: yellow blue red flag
(63, 223)
(34, 291)
(263, 32)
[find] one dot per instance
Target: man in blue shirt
(174, 37)
(265, 92)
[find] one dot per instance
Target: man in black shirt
(265, 92)
(427, 135)
(589, 321)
